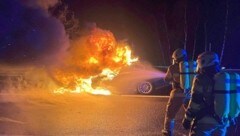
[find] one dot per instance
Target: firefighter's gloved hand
(186, 124)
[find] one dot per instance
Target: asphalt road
(83, 114)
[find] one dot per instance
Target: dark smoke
(44, 4)
(29, 34)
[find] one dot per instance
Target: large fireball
(95, 54)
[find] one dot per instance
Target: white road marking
(4, 119)
(150, 96)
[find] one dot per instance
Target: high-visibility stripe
(226, 92)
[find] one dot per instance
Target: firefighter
(200, 115)
(177, 97)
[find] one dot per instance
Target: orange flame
(96, 54)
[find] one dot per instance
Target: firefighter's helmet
(207, 59)
(179, 55)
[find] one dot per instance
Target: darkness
(156, 28)
(153, 28)
(28, 35)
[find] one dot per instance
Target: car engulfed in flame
(96, 54)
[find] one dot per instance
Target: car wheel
(145, 88)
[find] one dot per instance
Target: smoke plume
(29, 34)
(44, 4)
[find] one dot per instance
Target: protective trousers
(234, 128)
(209, 130)
(176, 100)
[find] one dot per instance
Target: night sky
(154, 28)
(29, 35)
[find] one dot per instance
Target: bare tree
(205, 33)
(195, 41)
(185, 26)
(210, 47)
(166, 28)
(225, 32)
(156, 25)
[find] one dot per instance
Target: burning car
(139, 78)
(154, 85)
(95, 63)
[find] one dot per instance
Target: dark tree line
(155, 28)
(204, 25)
